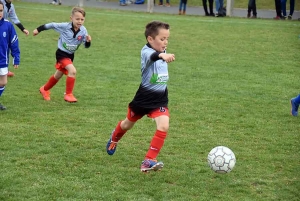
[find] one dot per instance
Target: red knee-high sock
(51, 82)
(156, 144)
(118, 132)
(70, 82)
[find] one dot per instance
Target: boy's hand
(88, 38)
(167, 57)
(35, 32)
(26, 32)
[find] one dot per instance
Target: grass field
(230, 85)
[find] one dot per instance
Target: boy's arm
(14, 46)
(14, 18)
(39, 29)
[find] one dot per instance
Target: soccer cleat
(290, 17)
(294, 107)
(151, 165)
(70, 98)
(45, 94)
(111, 146)
(248, 15)
(160, 4)
(10, 74)
(2, 107)
(168, 5)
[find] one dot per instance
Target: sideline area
(267, 14)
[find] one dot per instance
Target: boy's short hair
(78, 9)
(153, 27)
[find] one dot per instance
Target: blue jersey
(8, 43)
(153, 92)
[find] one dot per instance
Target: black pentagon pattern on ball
(221, 159)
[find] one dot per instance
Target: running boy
(8, 43)
(72, 35)
(10, 13)
(151, 98)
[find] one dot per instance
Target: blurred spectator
(278, 10)
(54, 2)
(220, 9)
(182, 7)
(211, 7)
(252, 7)
(123, 3)
(161, 3)
(283, 7)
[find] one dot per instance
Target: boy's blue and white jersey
(9, 12)
(69, 41)
(8, 43)
(153, 92)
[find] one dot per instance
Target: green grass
(230, 85)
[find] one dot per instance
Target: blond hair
(78, 9)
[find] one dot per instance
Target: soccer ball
(221, 159)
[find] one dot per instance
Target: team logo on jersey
(79, 38)
(4, 34)
(159, 78)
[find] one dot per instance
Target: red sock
(70, 82)
(51, 82)
(118, 133)
(156, 144)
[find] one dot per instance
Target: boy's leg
(45, 89)
(161, 117)
(2, 107)
(70, 82)
(120, 130)
(3, 82)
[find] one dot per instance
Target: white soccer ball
(221, 159)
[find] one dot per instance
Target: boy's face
(160, 42)
(1, 11)
(77, 20)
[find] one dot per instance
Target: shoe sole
(157, 167)
(71, 101)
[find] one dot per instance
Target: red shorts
(132, 116)
(61, 65)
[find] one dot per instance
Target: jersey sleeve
(13, 16)
(146, 57)
(58, 27)
(14, 45)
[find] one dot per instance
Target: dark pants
(252, 7)
(283, 6)
(211, 7)
(278, 8)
